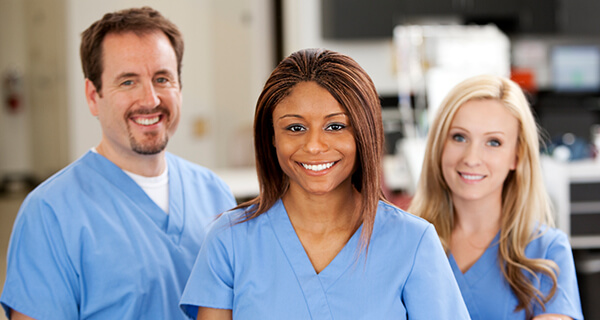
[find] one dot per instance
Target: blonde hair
(525, 203)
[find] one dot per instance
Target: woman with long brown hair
(320, 241)
(481, 186)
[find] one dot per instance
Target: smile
(146, 121)
(471, 176)
(318, 167)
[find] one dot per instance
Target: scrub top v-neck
(260, 270)
(488, 295)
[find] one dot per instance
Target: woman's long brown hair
(351, 86)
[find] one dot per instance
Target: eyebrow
(486, 133)
(301, 117)
(133, 74)
(165, 72)
(126, 75)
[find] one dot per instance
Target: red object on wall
(12, 87)
(525, 78)
(13, 102)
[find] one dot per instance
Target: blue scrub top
(89, 243)
(488, 295)
(260, 270)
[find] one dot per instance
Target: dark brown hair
(137, 20)
(354, 90)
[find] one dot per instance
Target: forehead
(310, 98)
(485, 114)
(130, 50)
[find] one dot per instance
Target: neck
(477, 216)
(323, 213)
(144, 165)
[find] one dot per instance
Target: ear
(91, 95)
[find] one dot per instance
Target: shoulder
(71, 178)
(396, 225)
(228, 230)
(198, 173)
(547, 240)
(232, 221)
(187, 166)
(393, 216)
(398, 233)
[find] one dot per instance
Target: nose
(316, 142)
(472, 156)
(148, 97)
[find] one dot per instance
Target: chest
(277, 279)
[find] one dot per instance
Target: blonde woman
(481, 186)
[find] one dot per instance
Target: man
(114, 235)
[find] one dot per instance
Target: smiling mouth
(472, 177)
(146, 121)
(149, 117)
(318, 167)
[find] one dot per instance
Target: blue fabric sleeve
(431, 291)
(211, 281)
(566, 300)
(41, 281)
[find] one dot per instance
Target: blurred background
(413, 50)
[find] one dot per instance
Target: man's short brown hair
(137, 20)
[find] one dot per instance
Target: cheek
(448, 162)
(508, 162)
(447, 157)
(350, 150)
(345, 144)
(283, 149)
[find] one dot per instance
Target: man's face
(140, 101)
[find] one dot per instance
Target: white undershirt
(157, 188)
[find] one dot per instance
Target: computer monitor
(575, 68)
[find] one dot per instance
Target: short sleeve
(40, 279)
(431, 291)
(211, 281)
(566, 300)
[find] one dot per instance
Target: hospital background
(413, 50)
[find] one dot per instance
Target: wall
(302, 29)
(227, 54)
(15, 151)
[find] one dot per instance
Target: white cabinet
(575, 191)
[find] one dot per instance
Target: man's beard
(148, 148)
(153, 146)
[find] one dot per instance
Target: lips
(318, 167)
(471, 177)
(145, 121)
(145, 117)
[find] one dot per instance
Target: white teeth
(472, 177)
(318, 167)
(146, 121)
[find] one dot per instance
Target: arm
(565, 304)
(210, 283)
(16, 315)
(40, 278)
(214, 314)
(431, 292)
(552, 317)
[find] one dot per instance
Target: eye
(162, 80)
(295, 128)
(335, 127)
(127, 83)
(494, 143)
(458, 137)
